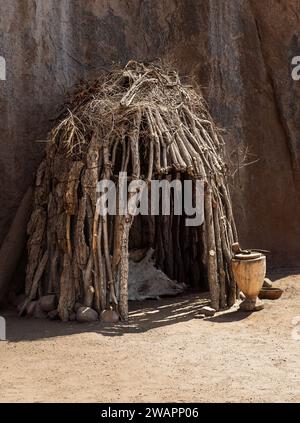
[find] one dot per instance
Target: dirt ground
(163, 354)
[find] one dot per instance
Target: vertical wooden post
(211, 250)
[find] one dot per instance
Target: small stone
(39, 313)
(77, 306)
(267, 283)
(48, 303)
(109, 316)
(30, 308)
(207, 311)
(53, 315)
(86, 314)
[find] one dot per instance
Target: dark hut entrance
(178, 248)
(143, 121)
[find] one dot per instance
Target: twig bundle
(144, 121)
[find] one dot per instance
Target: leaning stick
(68, 236)
(150, 160)
(100, 268)
(134, 142)
(211, 250)
(96, 262)
(227, 256)
(37, 277)
(123, 303)
(155, 138)
(220, 261)
(109, 273)
(155, 122)
(229, 211)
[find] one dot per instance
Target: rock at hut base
(86, 314)
(39, 313)
(48, 303)
(53, 315)
(207, 311)
(109, 316)
(77, 306)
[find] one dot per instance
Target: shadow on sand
(144, 316)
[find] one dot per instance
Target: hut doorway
(178, 248)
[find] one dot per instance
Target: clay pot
(249, 272)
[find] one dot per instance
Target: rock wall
(239, 51)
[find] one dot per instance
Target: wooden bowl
(270, 293)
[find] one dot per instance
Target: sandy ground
(163, 354)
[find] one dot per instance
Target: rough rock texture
(240, 51)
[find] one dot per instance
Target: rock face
(239, 51)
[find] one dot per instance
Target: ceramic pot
(249, 271)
